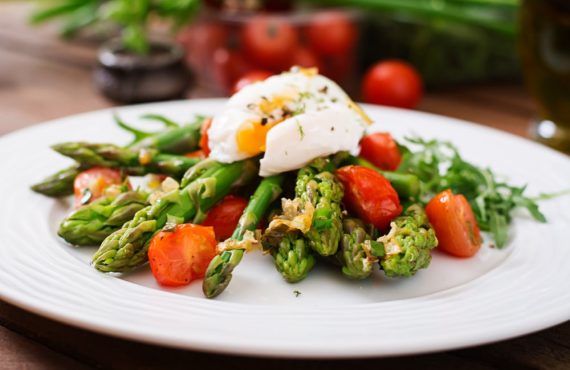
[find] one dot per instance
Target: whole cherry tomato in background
(268, 41)
(90, 184)
(382, 150)
(224, 216)
(249, 78)
(454, 223)
(181, 255)
(369, 195)
(331, 33)
(394, 83)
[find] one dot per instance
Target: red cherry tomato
(368, 194)
(196, 154)
(204, 137)
(331, 33)
(90, 184)
(249, 78)
(181, 255)
(394, 83)
(229, 65)
(225, 215)
(454, 223)
(381, 149)
(305, 58)
(268, 42)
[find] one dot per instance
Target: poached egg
(291, 119)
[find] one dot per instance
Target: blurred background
(461, 58)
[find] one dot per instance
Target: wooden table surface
(42, 78)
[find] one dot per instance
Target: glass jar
(545, 52)
(221, 46)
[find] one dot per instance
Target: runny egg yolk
(251, 136)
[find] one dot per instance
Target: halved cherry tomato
(181, 255)
(90, 184)
(331, 33)
(454, 223)
(196, 154)
(204, 137)
(249, 78)
(368, 194)
(268, 41)
(381, 149)
(394, 83)
(224, 216)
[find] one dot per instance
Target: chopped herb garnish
(297, 293)
(300, 128)
(300, 110)
(324, 89)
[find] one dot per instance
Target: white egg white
(319, 121)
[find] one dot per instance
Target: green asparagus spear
(60, 183)
(133, 162)
(177, 140)
(291, 241)
(284, 238)
(92, 223)
(316, 184)
(293, 257)
(358, 252)
(127, 247)
(219, 272)
(408, 244)
(198, 170)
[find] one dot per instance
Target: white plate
(455, 303)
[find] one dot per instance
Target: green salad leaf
(439, 166)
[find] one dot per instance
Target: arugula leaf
(439, 166)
